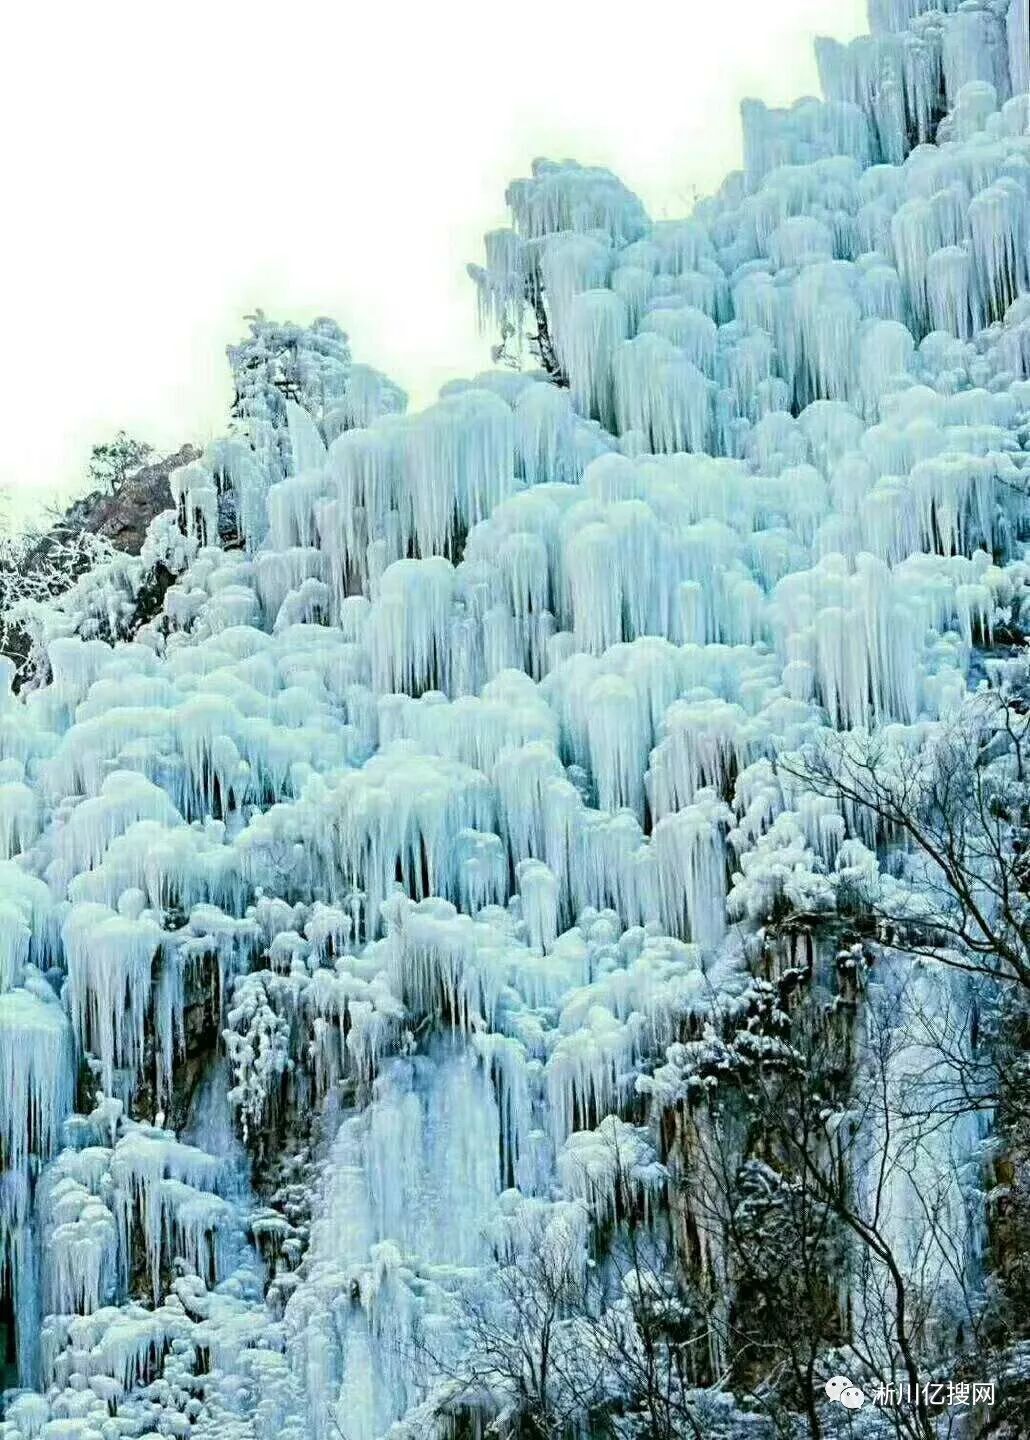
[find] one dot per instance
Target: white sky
(167, 168)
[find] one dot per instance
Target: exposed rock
(123, 517)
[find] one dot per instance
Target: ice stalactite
(110, 955)
(37, 1091)
(597, 320)
(661, 394)
(1018, 26)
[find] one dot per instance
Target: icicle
(545, 434)
(691, 331)
(1018, 28)
(659, 393)
(459, 464)
(110, 957)
(974, 48)
(196, 495)
(597, 320)
(692, 869)
(885, 351)
(568, 196)
(409, 625)
(704, 742)
(569, 265)
(538, 889)
(999, 225)
(37, 1078)
(307, 448)
(953, 304)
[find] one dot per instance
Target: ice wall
(443, 773)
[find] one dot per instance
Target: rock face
(123, 517)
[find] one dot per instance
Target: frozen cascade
(390, 898)
(413, 1175)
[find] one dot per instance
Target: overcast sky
(168, 168)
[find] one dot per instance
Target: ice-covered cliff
(360, 907)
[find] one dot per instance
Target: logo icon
(840, 1388)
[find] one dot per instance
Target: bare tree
(514, 1346)
(829, 1200)
(950, 813)
(957, 808)
(559, 1343)
(539, 339)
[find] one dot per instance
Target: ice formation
(440, 787)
